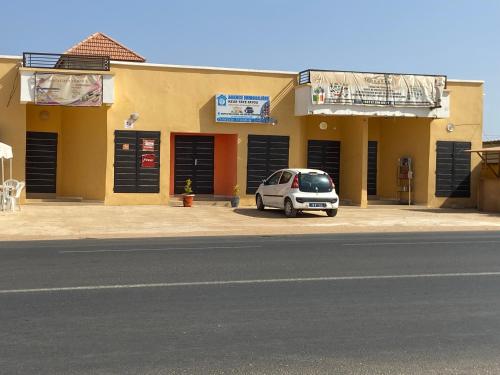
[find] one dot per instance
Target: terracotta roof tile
(99, 44)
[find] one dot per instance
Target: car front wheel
(260, 204)
(290, 211)
(331, 213)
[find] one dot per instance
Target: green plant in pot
(188, 196)
(235, 199)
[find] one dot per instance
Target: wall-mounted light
(129, 123)
(273, 121)
(44, 115)
(323, 125)
(450, 127)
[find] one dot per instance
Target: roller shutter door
(266, 154)
(325, 155)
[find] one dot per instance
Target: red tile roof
(99, 44)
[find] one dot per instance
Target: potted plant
(188, 196)
(235, 200)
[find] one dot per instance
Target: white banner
(373, 89)
(81, 90)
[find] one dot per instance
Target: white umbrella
(6, 153)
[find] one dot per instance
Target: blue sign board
(242, 108)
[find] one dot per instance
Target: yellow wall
(466, 113)
(354, 160)
(182, 100)
(489, 194)
(12, 116)
(47, 119)
(81, 147)
(84, 152)
(398, 137)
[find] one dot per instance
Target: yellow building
(145, 128)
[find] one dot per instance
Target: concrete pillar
(354, 160)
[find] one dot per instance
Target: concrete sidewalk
(80, 220)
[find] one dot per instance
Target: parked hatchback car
(296, 190)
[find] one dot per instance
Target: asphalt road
(425, 303)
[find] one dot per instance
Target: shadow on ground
(274, 213)
(455, 211)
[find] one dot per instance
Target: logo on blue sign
(222, 100)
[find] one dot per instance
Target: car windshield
(314, 183)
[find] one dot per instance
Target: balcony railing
(65, 61)
(305, 77)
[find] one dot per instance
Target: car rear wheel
(331, 213)
(260, 203)
(290, 211)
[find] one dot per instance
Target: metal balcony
(65, 61)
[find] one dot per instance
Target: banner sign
(242, 108)
(148, 160)
(80, 90)
(373, 89)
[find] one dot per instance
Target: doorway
(372, 168)
(194, 160)
(325, 155)
(41, 162)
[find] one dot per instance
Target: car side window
(285, 177)
(273, 180)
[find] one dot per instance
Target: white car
(295, 190)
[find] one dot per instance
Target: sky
(457, 38)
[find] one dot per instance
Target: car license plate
(317, 205)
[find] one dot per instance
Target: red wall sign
(148, 160)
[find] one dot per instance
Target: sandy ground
(80, 220)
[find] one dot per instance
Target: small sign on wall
(148, 160)
(148, 145)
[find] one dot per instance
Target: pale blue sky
(458, 38)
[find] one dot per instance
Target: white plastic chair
(11, 193)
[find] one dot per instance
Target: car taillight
(331, 182)
(295, 183)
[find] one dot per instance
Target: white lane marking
(240, 282)
(158, 249)
(417, 243)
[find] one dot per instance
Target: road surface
(422, 303)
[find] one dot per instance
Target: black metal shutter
(148, 179)
(194, 159)
(41, 162)
(266, 154)
(372, 168)
(325, 155)
(125, 161)
(453, 168)
(130, 177)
